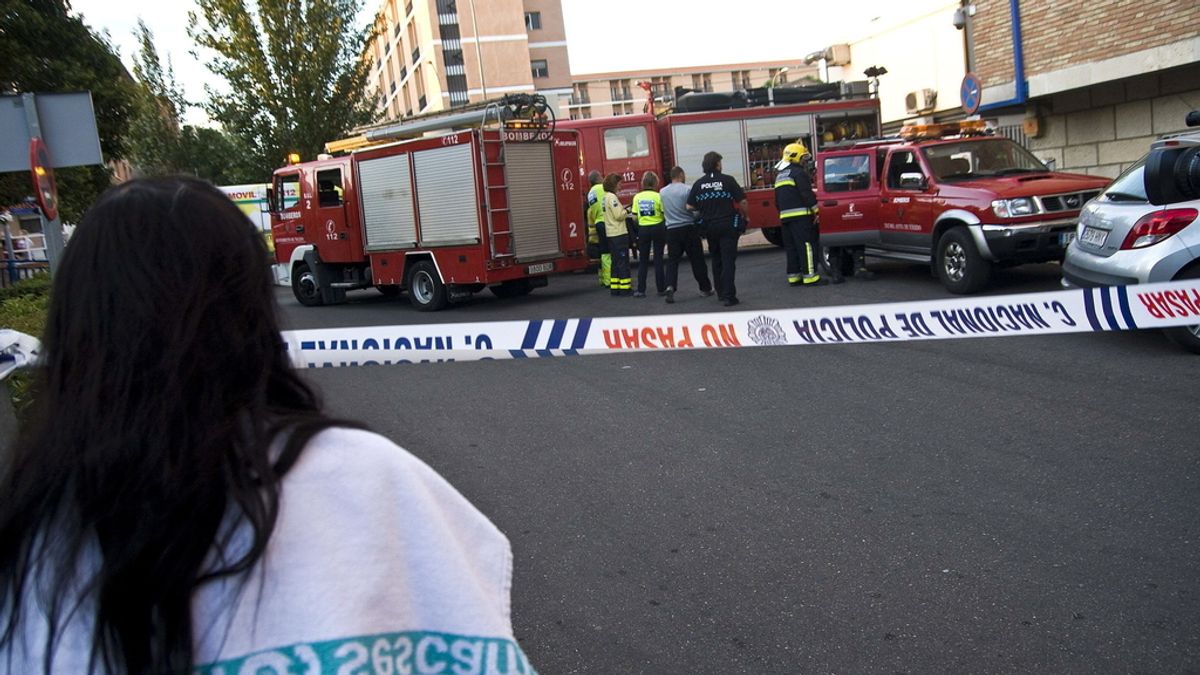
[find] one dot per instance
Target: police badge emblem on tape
(763, 330)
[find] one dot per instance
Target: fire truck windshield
(981, 157)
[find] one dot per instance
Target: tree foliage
(295, 72)
(160, 143)
(44, 48)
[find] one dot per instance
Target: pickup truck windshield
(979, 158)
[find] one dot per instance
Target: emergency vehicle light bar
(968, 128)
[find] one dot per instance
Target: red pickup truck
(951, 196)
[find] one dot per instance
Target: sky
(682, 33)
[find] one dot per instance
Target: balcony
(456, 70)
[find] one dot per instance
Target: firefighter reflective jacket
(794, 196)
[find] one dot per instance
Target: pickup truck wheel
(305, 286)
(1187, 337)
(773, 235)
(513, 289)
(425, 288)
(959, 265)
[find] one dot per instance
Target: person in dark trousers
(797, 204)
(648, 208)
(683, 236)
(620, 283)
(721, 203)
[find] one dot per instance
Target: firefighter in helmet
(597, 237)
(797, 204)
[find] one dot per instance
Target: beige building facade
(618, 93)
(432, 55)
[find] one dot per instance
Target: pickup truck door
(905, 210)
(848, 195)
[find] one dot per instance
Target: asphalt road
(1022, 504)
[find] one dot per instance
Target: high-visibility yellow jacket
(648, 208)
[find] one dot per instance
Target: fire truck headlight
(1014, 208)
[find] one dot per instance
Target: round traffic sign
(44, 188)
(971, 93)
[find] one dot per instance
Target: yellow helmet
(792, 152)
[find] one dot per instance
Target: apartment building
(431, 55)
(1092, 83)
(618, 93)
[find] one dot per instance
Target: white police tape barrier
(1067, 311)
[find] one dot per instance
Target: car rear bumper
(1160, 262)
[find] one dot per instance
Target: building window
(533, 20)
(707, 80)
(416, 54)
(408, 8)
(403, 72)
(580, 94)
(539, 67)
(397, 30)
(619, 90)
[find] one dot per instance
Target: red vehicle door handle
(883, 200)
(831, 202)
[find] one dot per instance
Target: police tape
(1110, 308)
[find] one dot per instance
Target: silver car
(1123, 239)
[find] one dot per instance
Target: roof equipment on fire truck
(524, 118)
(928, 131)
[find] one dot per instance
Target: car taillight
(1154, 227)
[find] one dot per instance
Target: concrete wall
(1101, 130)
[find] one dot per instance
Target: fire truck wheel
(513, 289)
(425, 288)
(389, 290)
(305, 287)
(959, 265)
(773, 235)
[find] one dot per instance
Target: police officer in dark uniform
(797, 204)
(721, 203)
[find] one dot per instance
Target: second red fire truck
(440, 217)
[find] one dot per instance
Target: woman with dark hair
(178, 499)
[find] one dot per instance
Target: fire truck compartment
(529, 170)
(386, 188)
(445, 196)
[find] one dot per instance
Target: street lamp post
(478, 52)
(771, 85)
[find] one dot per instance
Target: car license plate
(540, 268)
(1065, 238)
(1094, 236)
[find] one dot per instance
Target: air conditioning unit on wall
(837, 55)
(920, 100)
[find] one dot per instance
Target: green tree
(44, 48)
(295, 70)
(160, 143)
(155, 138)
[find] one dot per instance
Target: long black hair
(163, 384)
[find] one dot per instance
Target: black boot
(832, 267)
(860, 266)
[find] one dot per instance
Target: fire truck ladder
(495, 112)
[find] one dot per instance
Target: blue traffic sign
(971, 93)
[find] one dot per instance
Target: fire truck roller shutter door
(386, 189)
(529, 170)
(692, 141)
(446, 195)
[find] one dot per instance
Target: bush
(23, 308)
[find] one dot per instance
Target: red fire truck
(750, 140)
(443, 217)
(952, 196)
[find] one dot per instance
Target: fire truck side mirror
(272, 207)
(913, 181)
